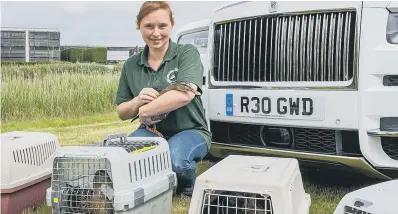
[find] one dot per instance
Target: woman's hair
(150, 6)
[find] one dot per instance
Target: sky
(95, 23)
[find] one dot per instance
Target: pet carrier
(251, 184)
(122, 174)
(26, 164)
(375, 199)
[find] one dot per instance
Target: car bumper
(358, 164)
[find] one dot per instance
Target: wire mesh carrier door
(233, 202)
(250, 185)
(121, 174)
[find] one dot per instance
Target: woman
(160, 64)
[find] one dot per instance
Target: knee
(142, 132)
(180, 165)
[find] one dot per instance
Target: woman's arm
(190, 70)
(129, 109)
(168, 102)
(127, 105)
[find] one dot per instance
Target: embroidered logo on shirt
(172, 76)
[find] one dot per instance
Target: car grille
(245, 133)
(313, 47)
(315, 140)
(302, 139)
(390, 146)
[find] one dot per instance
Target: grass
(80, 131)
(57, 90)
(72, 100)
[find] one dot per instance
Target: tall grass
(32, 92)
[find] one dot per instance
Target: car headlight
(392, 28)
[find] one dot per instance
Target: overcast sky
(94, 22)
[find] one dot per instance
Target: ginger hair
(151, 6)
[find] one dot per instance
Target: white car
(316, 81)
(196, 33)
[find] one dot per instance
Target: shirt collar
(170, 54)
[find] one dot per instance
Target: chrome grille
(316, 47)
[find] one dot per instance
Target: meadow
(55, 90)
(75, 102)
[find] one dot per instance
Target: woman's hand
(147, 95)
(146, 120)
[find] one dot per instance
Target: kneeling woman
(177, 115)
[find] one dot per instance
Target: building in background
(117, 54)
(114, 54)
(30, 45)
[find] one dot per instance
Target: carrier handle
(260, 168)
(122, 137)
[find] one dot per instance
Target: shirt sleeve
(124, 93)
(190, 69)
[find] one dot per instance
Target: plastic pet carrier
(251, 185)
(121, 175)
(379, 198)
(26, 164)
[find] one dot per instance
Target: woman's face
(156, 29)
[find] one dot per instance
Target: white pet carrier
(26, 165)
(379, 198)
(123, 175)
(251, 184)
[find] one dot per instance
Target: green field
(75, 102)
(92, 129)
(56, 90)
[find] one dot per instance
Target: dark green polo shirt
(180, 64)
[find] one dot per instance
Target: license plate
(283, 107)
